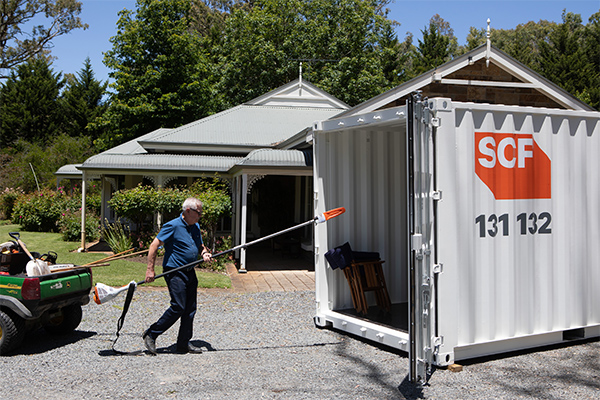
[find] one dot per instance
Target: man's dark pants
(183, 290)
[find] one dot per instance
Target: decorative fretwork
(252, 179)
(151, 178)
(112, 182)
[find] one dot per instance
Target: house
(264, 145)
(257, 147)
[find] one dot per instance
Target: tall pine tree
(83, 102)
(436, 48)
(30, 108)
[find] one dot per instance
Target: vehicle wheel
(65, 322)
(12, 331)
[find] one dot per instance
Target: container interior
(362, 167)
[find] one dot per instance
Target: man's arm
(152, 251)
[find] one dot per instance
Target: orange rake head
(327, 215)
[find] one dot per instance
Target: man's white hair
(192, 202)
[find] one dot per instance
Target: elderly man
(182, 241)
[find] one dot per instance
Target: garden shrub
(141, 202)
(39, 211)
(54, 211)
(143, 239)
(69, 225)
(169, 200)
(222, 243)
(93, 199)
(93, 203)
(135, 204)
(8, 198)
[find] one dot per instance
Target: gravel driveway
(265, 346)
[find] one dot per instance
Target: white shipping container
(487, 217)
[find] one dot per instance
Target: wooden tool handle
(24, 248)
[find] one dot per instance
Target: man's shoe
(150, 342)
(189, 349)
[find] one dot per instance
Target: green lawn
(118, 273)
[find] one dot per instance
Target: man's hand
(149, 275)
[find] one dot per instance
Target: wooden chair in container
(364, 273)
(368, 277)
(357, 301)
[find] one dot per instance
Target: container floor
(397, 318)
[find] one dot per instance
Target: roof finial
(300, 79)
(489, 44)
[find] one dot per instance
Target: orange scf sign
(513, 166)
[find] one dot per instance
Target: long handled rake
(104, 293)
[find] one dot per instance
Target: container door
(420, 208)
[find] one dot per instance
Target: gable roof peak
(522, 78)
(299, 93)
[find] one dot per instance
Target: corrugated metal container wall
(517, 267)
(365, 172)
(517, 223)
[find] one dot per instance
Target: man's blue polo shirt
(182, 242)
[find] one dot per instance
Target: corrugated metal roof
(238, 130)
(245, 125)
(132, 146)
(166, 162)
(278, 158)
(69, 170)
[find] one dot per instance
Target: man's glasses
(198, 212)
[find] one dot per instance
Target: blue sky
(413, 15)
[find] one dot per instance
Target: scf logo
(513, 166)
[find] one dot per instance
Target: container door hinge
(437, 195)
(438, 341)
(438, 268)
(417, 245)
(417, 242)
(435, 122)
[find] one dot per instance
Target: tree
(562, 57)
(160, 71)
(434, 50)
(344, 45)
(475, 38)
(444, 29)
(405, 59)
(83, 101)
(29, 104)
(591, 48)
(17, 46)
(208, 16)
(522, 43)
(567, 53)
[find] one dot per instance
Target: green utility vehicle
(29, 301)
